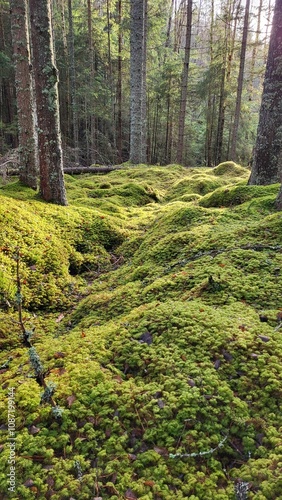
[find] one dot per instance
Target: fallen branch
(67, 170)
(199, 453)
(91, 170)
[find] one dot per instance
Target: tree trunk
(211, 98)
(52, 186)
(267, 162)
(25, 102)
(254, 51)
(279, 200)
(229, 11)
(119, 85)
(73, 85)
(184, 83)
(7, 94)
(240, 83)
(144, 87)
(137, 80)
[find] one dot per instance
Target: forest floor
(155, 304)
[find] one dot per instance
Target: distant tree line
(192, 54)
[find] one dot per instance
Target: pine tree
(52, 186)
(267, 165)
(24, 93)
(138, 81)
(184, 82)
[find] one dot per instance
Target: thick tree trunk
(279, 200)
(137, 80)
(52, 186)
(267, 162)
(24, 93)
(184, 83)
(235, 128)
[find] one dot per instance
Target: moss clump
(236, 195)
(230, 169)
(199, 184)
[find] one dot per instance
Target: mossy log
(104, 169)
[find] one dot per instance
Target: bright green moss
(159, 325)
(230, 169)
(196, 184)
(230, 196)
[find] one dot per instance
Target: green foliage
(166, 353)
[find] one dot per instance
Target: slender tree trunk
(137, 80)
(234, 135)
(230, 11)
(267, 162)
(210, 100)
(254, 51)
(73, 84)
(221, 115)
(64, 88)
(184, 83)
(52, 186)
(144, 87)
(91, 111)
(119, 84)
(7, 95)
(24, 91)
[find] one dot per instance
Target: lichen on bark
(52, 186)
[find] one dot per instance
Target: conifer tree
(52, 186)
(267, 164)
(138, 81)
(24, 93)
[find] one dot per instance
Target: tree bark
(119, 84)
(211, 98)
(24, 93)
(73, 84)
(184, 83)
(52, 186)
(279, 200)
(235, 128)
(137, 80)
(267, 162)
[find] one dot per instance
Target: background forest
(92, 45)
(140, 315)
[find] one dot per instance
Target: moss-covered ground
(155, 300)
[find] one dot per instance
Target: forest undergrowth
(154, 306)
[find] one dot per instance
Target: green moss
(159, 323)
(200, 184)
(230, 169)
(236, 195)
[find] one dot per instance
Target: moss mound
(231, 169)
(158, 326)
(236, 195)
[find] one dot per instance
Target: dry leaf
(71, 399)
(60, 317)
